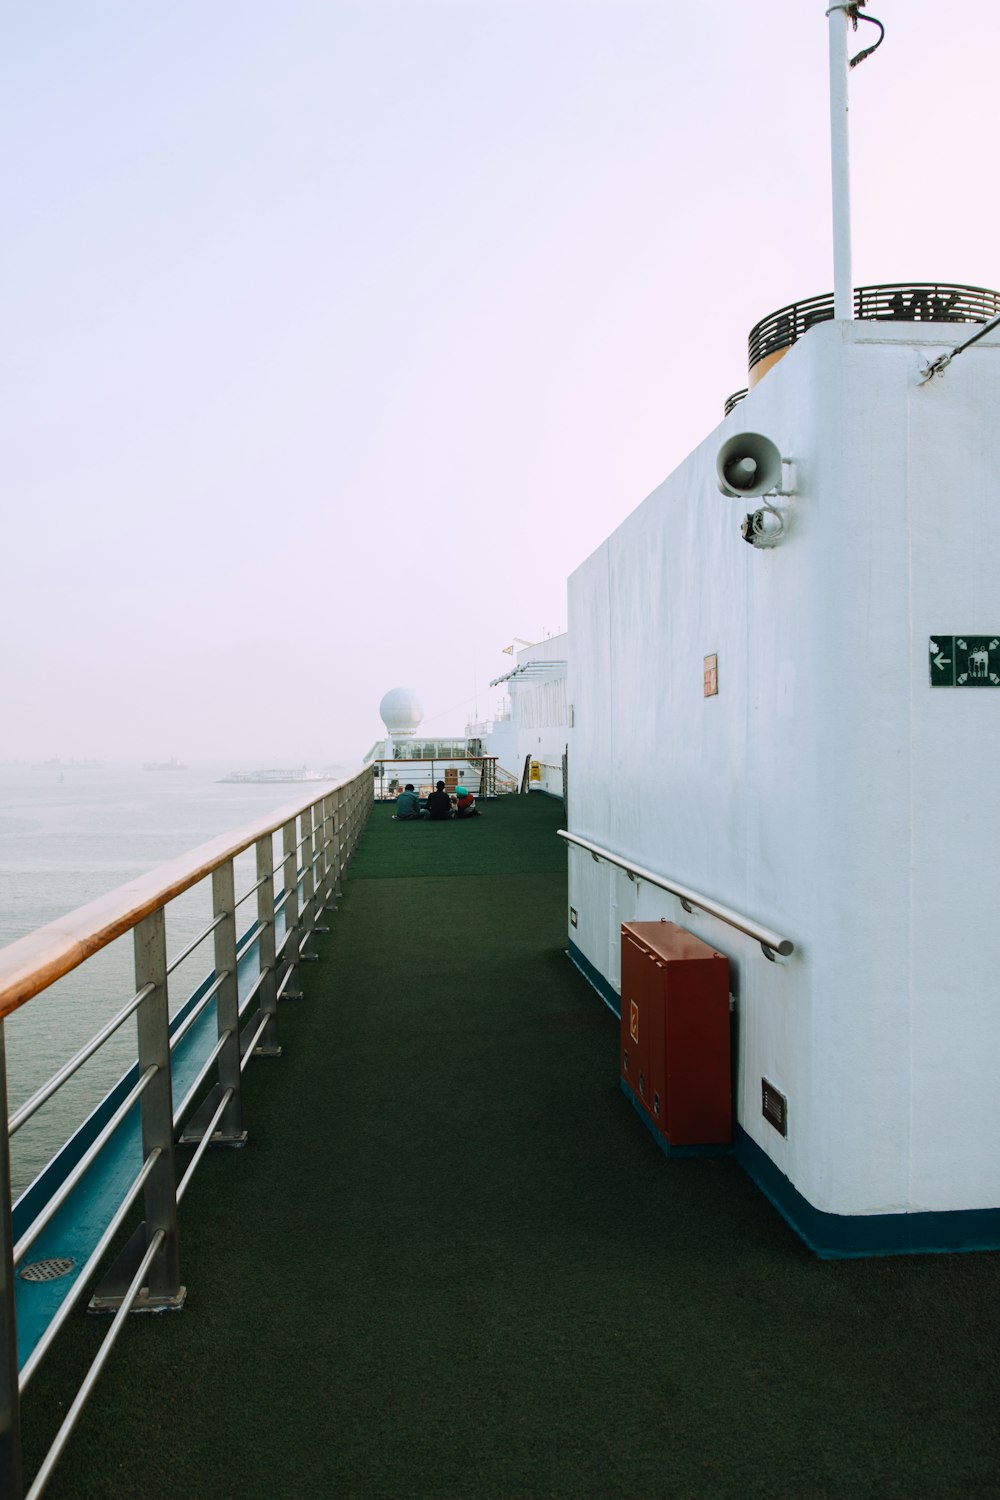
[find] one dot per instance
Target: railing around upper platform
(74, 1210)
(391, 776)
(771, 942)
(924, 302)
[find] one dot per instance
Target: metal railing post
(308, 884)
(229, 1130)
(164, 1283)
(325, 888)
(338, 844)
(320, 863)
(267, 1046)
(332, 866)
(162, 1288)
(352, 822)
(290, 882)
(10, 1403)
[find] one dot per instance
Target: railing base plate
(198, 1124)
(110, 1291)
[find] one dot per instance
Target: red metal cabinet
(637, 1017)
(675, 1032)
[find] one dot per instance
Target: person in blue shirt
(407, 805)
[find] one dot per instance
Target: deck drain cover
(46, 1270)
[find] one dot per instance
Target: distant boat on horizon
(56, 763)
(173, 764)
(300, 773)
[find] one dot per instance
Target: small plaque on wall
(964, 660)
(711, 676)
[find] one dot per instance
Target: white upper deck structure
(830, 789)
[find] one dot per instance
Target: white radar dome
(401, 711)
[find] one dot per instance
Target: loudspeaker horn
(748, 464)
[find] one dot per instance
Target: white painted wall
(540, 713)
(827, 791)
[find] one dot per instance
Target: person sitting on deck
(466, 807)
(439, 803)
(407, 805)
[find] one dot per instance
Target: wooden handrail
(32, 963)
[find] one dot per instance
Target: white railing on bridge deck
(479, 772)
(317, 839)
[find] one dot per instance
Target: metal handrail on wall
(185, 1053)
(771, 942)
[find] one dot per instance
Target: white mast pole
(843, 280)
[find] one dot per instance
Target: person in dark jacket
(439, 803)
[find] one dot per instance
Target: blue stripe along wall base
(846, 1236)
(594, 977)
(830, 1236)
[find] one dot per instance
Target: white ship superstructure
(804, 733)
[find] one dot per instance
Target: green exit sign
(965, 660)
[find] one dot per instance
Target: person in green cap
(465, 804)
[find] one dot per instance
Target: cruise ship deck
(450, 1261)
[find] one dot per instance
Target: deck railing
(196, 1055)
(390, 776)
(890, 302)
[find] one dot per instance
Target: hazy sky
(337, 334)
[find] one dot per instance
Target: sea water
(68, 835)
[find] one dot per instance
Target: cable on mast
(852, 8)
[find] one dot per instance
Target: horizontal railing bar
(86, 1161)
(35, 961)
(290, 933)
(253, 1042)
(768, 939)
(87, 1270)
(175, 963)
(279, 867)
(67, 1070)
(202, 1145)
(255, 887)
(280, 903)
(251, 992)
(248, 940)
(282, 986)
(202, 1074)
(190, 1019)
(91, 1377)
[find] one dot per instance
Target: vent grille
(46, 1270)
(774, 1106)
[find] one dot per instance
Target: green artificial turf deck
(451, 1262)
